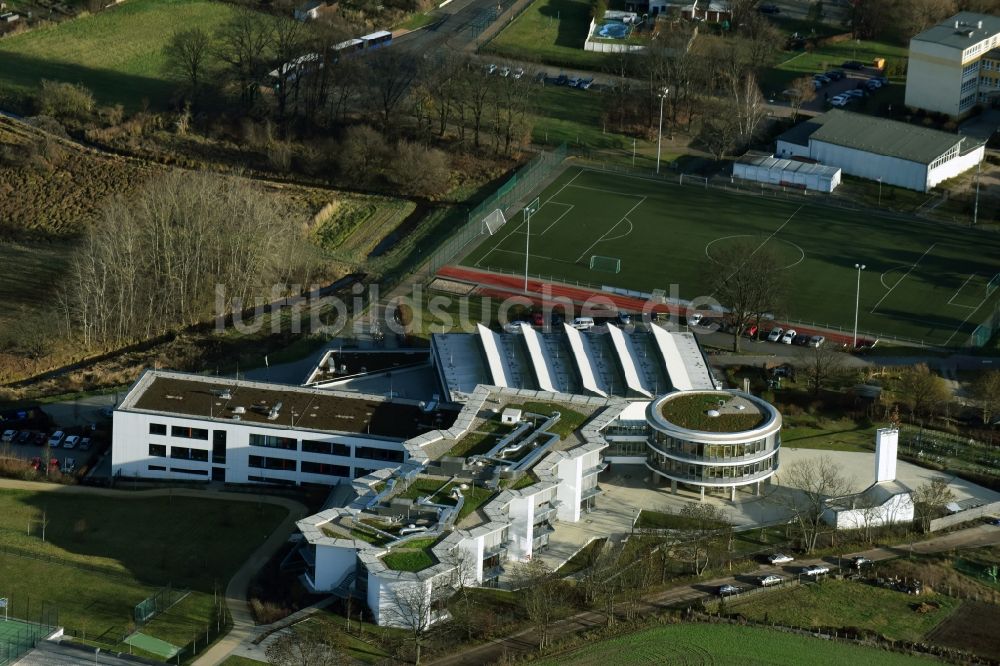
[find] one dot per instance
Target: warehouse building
(808, 176)
(888, 151)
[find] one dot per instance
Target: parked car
(995, 522)
(505, 71)
(695, 319)
(855, 93)
(69, 466)
(801, 340)
(789, 335)
(586, 83)
(835, 74)
(852, 64)
(36, 463)
(491, 68)
(815, 570)
(779, 558)
(519, 72)
(625, 319)
(881, 79)
(24, 437)
(860, 562)
(71, 442)
(768, 580)
(85, 444)
(775, 334)
(839, 100)
(817, 85)
(573, 81)
(768, 8)
(8, 436)
(822, 79)
(56, 440)
(727, 590)
(561, 80)
(816, 341)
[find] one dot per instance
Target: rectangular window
(219, 446)
(264, 462)
(328, 448)
(192, 472)
(326, 470)
(157, 429)
(156, 468)
(189, 433)
(273, 442)
(158, 450)
(361, 471)
(184, 453)
(371, 453)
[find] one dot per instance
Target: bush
(64, 100)
(419, 170)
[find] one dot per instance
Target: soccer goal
(605, 264)
(493, 222)
(692, 179)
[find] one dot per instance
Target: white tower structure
(886, 443)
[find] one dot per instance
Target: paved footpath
(525, 642)
(236, 590)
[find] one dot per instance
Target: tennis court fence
(18, 636)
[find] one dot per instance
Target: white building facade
(947, 63)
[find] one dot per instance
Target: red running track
(553, 293)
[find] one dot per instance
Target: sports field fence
(156, 603)
(23, 625)
(526, 180)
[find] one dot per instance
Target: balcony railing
(596, 469)
(680, 475)
(542, 515)
(493, 551)
(590, 492)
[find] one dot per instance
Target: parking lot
(38, 447)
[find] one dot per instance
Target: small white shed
(763, 168)
(510, 416)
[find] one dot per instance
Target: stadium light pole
(880, 191)
(857, 306)
(659, 136)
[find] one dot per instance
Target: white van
(583, 323)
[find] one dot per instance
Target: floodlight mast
(857, 305)
(659, 135)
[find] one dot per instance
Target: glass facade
(713, 474)
(706, 452)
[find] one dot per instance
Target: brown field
(973, 627)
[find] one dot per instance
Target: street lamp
(880, 191)
(659, 136)
(857, 305)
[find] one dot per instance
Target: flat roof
(214, 398)
(885, 137)
(946, 34)
(779, 163)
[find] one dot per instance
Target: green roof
(691, 412)
(885, 137)
(946, 34)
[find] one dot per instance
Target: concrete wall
(787, 149)
(965, 516)
(892, 170)
(333, 565)
(131, 440)
(934, 78)
(954, 167)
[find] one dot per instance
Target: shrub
(419, 170)
(64, 100)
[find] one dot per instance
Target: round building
(715, 440)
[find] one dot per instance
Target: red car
(36, 463)
(751, 331)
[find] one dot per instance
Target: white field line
(951, 301)
(598, 189)
(604, 235)
(764, 242)
(905, 275)
(967, 318)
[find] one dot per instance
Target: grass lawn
(473, 444)
(117, 53)
(550, 32)
(242, 661)
(569, 420)
(923, 281)
(422, 488)
(725, 644)
(357, 648)
(842, 603)
(474, 498)
(842, 435)
(803, 63)
(583, 558)
(128, 548)
(412, 556)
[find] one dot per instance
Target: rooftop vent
(272, 414)
(712, 413)
(239, 410)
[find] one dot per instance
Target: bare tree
(921, 389)
(362, 153)
(930, 500)
(290, 61)
(188, 54)
(298, 648)
(808, 484)
(412, 609)
(824, 366)
(720, 127)
(541, 596)
(985, 392)
(390, 74)
(702, 538)
(746, 277)
(244, 44)
(802, 92)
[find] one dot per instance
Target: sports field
(726, 644)
(922, 282)
(117, 53)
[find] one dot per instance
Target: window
(189, 433)
(157, 429)
(268, 479)
(327, 470)
(158, 450)
(328, 448)
(273, 442)
(372, 453)
(184, 453)
(361, 471)
(156, 468)
(193, 472)
(219, 446)
(264, 462)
